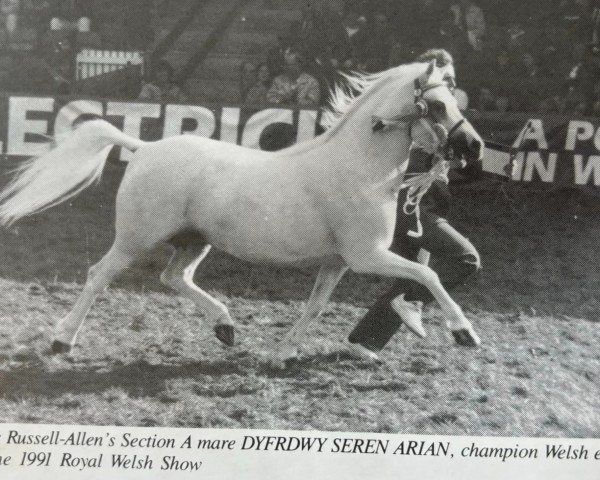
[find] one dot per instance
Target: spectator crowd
(512, 55)
(39, 38)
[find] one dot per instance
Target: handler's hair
(442, 57)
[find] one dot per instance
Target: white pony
(330, 201)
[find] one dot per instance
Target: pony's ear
(423, 79)
(431, 67)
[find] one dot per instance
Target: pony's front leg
(328, 277)
(384, 262)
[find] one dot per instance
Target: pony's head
(433, 101)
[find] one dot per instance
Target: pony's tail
(72, 165)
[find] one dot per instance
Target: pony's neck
(372, 155)
(351, 144)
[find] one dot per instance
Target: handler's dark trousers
(456, 259)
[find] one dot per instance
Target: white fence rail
(91, 63)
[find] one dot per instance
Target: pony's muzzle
(468, 146)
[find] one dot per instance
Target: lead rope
(417, 187)
(419, 183)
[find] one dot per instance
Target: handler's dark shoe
(411, 314)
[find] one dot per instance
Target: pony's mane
(345, 96)
(344, 93)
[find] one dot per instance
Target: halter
(423, 107)
(418, 186)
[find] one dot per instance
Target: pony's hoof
(59, 347)
(226, 334)
(466, 337)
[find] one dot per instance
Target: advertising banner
(550, 149)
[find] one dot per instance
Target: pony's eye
(437, 107)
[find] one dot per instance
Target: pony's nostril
(475, 145)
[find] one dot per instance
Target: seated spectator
(549, 63)
(10, 10)
(533, 88)
(247, 78)
(589, 74)
(470, 19)
(353, 23)
(55, 34)
(451, 38)
(257, 94)
(583, 74)
(580, 109)
(57, 56)
(294, 86)
(503, 70)
(375, 52)
(595, 21)
(424, 23)
(7, 66)
(161, 86)
(138, 23)
(596, 109)
(113, 30)
(37, 75)
(576, 18)
(502, 103)
(22, 39)
(528, 66)
(321, 27)
(550, 105)
(360, 6)
(65, 13)
(515, 36)
(575, 68)
(355, 26)
(486, 101)
(86, 38)
(275, 56)
(39, 14)
(399, 53)
(328, 71)
(574, 103)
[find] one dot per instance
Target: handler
(457, 257)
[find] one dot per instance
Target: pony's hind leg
(328, 277)
(99, 277)
(179, 275)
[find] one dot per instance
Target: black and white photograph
(367, 216)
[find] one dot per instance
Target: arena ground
(145, 358)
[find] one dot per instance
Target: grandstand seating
(249, 36)
(207, 41)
